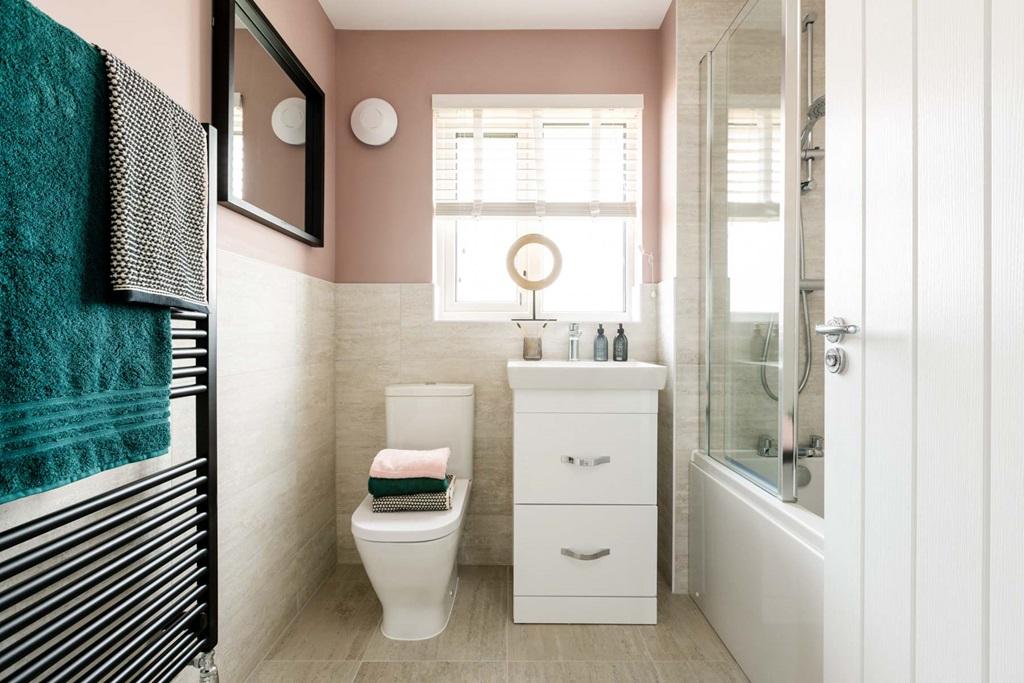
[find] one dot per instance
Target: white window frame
(447, 308)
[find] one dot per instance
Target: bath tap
(768, 448)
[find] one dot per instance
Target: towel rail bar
(50, 629)
(74, 590)
(188, 353)
(187, 333)
(55, 547)
(159, 650)
(185, 618)
(189, 371)
(182, 314)
(188, 390)
(41, 525)
(73, 564)
(158, 612)
(170, 671)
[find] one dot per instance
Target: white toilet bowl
(410, 558)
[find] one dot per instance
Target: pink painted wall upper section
(169, 43)
(384, 214)
(667, 144)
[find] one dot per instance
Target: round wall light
(374, 121)
(289, 120)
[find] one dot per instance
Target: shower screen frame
(789, 315)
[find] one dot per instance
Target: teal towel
(407, 487)
(83, 381)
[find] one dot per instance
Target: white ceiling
(494, 14)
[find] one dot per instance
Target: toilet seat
(410, 527)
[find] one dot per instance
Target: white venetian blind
(754, 162)
(496, 160)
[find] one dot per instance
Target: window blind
(536, 161)
(754, 162)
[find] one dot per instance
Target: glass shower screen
(750, 241)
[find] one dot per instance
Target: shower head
(815, 111)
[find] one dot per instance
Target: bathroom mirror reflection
(271, 110)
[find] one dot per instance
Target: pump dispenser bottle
(621, 346)
(600, 345)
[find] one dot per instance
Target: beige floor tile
(475, 632)
(306, 672)
(449, 672)
(336, 625)
(339, 630)
(582, 672)
(575, 642)
(682, 633)
(699, 672)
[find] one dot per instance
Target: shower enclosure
(762, 194)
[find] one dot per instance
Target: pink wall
(667, 144)
(169, 43)
(384, 194)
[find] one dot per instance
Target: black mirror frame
(223, 89)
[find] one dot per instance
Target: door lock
(835, 360)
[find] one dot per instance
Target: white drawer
(621, 539)
(586, 458)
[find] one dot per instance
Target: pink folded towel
(393, 463)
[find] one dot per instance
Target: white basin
(585, 374)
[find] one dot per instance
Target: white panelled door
(924, 544)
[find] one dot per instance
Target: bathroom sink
(561, 374)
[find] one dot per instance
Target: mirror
(271, 114)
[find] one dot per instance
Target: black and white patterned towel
(416, 502)
(158, 187)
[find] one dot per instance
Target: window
(238, 146)
(567, 167)
(754, 190)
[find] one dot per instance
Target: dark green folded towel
(83, 381)
(407, 487)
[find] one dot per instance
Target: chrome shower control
(835, 360)
(835, 329)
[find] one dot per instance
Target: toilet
(410, 557)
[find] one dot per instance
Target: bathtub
(810, 476)
(756, 567)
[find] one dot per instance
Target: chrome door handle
(835, 329)
(587, 557)
(586, 462)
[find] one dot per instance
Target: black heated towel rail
(122, 586)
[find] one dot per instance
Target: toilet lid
(407, 527)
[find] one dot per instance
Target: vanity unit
(585, 476)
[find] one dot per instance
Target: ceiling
(494, 14)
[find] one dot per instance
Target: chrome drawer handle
(586, 462)
(576, 555)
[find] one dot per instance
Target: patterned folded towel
(406, 487)
(393, 463)
(158, 203)
(417, 502)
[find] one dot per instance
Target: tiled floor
(337, 639)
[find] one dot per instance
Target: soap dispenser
(621, 350)
(600, 344)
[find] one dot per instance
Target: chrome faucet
(575, 334)
(767, 447)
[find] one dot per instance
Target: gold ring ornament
(519, 279)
